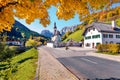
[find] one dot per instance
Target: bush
(99, 48)
(5, 52)
(110, 48)
(102, 47)
(32, 43)
(114, 48)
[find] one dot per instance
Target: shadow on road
(92, 68)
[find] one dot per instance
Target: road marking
(89, 60)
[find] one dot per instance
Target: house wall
(13, 43)
(109, 40)
(93, 41)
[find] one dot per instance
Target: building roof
(103, 27)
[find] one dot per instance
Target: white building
(101, 33)
(17, 43)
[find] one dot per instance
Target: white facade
(93, 37)
(13, 43)
(92, 42)
(50, 45)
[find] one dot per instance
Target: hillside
(23, 29)
(76, 36)
(18, 29)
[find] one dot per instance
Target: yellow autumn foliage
(38, 9)
(32, 43)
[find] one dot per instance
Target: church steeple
(55, 25)
(55, 29)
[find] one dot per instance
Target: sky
(36, 26)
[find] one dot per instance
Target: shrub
(99, 47)
(114, 48)
(32, 43)
(5, 52)
(110, 48)
(102, 47)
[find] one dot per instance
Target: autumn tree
(66, 9)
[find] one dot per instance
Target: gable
(90, 30)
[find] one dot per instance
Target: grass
(76, 36)
(26, 65)
(118, 22)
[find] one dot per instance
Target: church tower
(55, 29)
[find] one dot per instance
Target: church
(56, 39)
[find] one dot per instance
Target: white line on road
(89, 60)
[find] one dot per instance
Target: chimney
(113, 24)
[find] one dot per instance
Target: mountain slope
(46, 33)
(23, 29)
(17, 31)
(66, 29)
(76, 36)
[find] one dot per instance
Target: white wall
(50, 45)
(13, 42)
(100, 40)
(91, 41)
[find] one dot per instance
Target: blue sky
(36, 26)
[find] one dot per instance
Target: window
(96, 36)
(105, 35)
(88, 37)
(110, 36)
(93, 29)
(117, 36)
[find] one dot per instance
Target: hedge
(111, 48)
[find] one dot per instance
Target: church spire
(55, 29)
(55, 25)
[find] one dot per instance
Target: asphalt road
(84, 66)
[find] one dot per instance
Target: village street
(83, 65)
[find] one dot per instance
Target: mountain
(46, 33)
(23, 29)
(18, 29)
(66, 29)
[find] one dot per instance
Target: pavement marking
(89, 60)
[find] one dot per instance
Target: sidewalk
(105, 56)
(51, 69)
(100, 55)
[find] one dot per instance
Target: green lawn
(76, 36)
(26, 65)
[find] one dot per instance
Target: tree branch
(8, 4)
